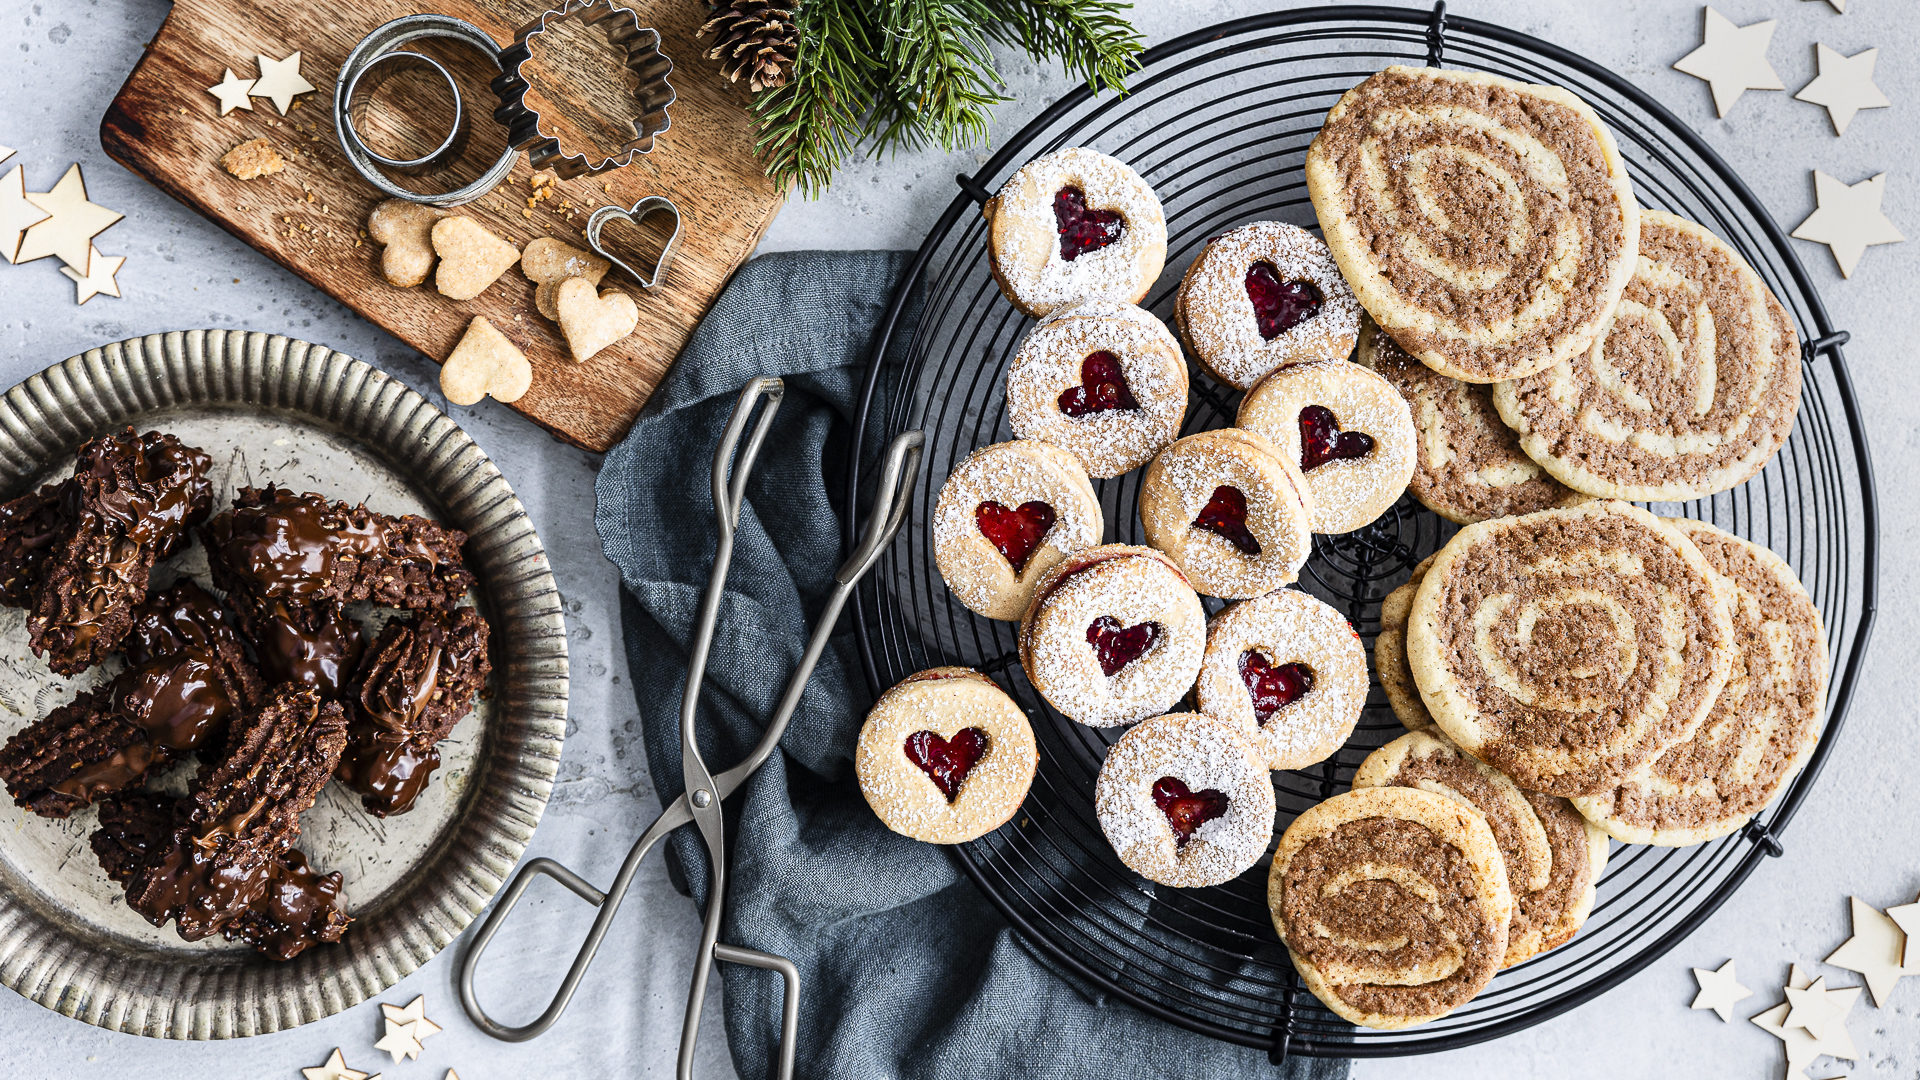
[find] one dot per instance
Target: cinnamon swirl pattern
(1761, 730)
(1568, 648)
(1690, 391)
(1553, 855)
(1393, 903)
(1487, 224)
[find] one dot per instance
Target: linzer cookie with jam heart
(1072, 226)
(1763, 726)
(1553, 856)
(1103, 380)
(1261, 297)
(1185, 801)
(1114, 635)
(945, 756)
(1008, 514)
(1349, 429)
(1690, 391)
(1230, 510)
(1288, 672)
(1393, 903)
(1568, 648)
(1487, 224)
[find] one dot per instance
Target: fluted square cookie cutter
(641, 47)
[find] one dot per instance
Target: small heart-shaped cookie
(471, 258)
(548, 262)
(406, 229)
(485, 362)
(592, 322)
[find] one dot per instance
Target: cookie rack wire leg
(1437, 34)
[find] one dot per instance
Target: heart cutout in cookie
(1083, 229)
(1279, 306)
(1226, 514)
(1116, 645)
(1273, 687)
(485, 363)
(592, 321)
(1017, 532)
(1321, 439)
(947, 761)
(1187, 810)
(1103, 387)
(652, 217)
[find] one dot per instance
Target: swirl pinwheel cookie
(1349, 429)
(1264, 296)
(1185, 801)
(1762, 728)
(1008, 514)
(945, 756)
(1568, 648)
(1390, 654)
(1114, 635)
(1072, 226)
(1230, 510)
(1393, 903)
(1487, 224)
(1104, 381)
(1467, 463)
(1690, 391)
(1289, 672)
(1553, 856)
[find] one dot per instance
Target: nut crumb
(253, 158)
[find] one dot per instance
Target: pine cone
(753, 39)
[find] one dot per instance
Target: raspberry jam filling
(1116, 645)
(1273, 688)
(1083, 230)
(1321, 439)
(1186, 810)
(1018, 532)
(1279, 306)
(1103, 387)
(1226, 514)
(947, 761)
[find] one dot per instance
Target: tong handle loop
(789, 1007)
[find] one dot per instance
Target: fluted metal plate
(268, 407)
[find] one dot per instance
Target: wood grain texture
(164, 126)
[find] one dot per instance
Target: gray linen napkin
(907, 969)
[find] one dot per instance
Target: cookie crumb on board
(252, 159)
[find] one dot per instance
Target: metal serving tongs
(701, 803)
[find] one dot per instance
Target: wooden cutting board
(164, 126)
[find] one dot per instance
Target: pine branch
(940, 73)
(810, 125)
(1090, 37)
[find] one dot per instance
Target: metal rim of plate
(224, 996)
(1218, 121)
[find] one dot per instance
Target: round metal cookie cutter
(378, 71)
(388, 38)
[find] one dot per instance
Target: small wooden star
(71, 225)
(1812, 1009)
(1718, 990)
(1906, 916)
(1875, 951)
(451, 1075)
(5, 152)
(1848, 219)
(1733, 60)
(414, 1013)
(280, 81)
(16, 213)
(1802, 1048)
(1844, 85)
(399, 1041)
(234, 93)
(98, 278)
(334, 1069)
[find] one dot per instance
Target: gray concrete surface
(1856, 836)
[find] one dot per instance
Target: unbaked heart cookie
(485, 363)
(471, 258)
(592, 321)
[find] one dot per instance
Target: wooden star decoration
(280, 81)
(399, 1041)
(1906, 916)
(5, 152)
(1875, 951)
(414, 1013)
(233, 92)
(1844, 85)
(1732, 59)
(16, 213)
(334, 1069)
(1801, 1046)
(1848, 219)
(1718, 990)
(451, 1075)
(1812, 1008)
(70, 226)
(98, 278)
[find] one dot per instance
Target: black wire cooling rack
(1218, 122)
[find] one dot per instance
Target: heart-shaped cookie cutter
(633, 215)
